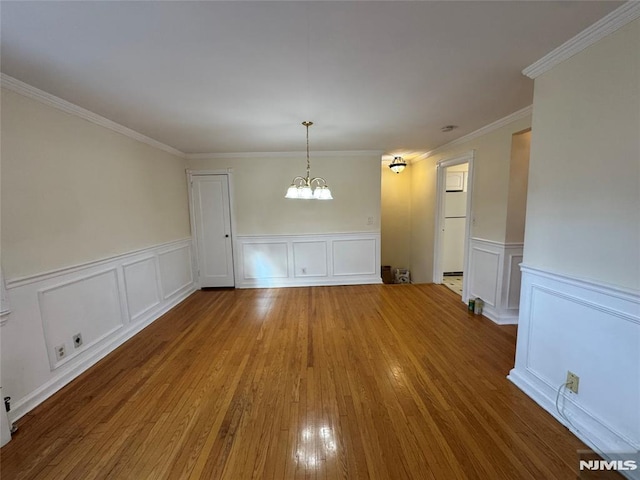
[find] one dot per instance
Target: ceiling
(241, 76)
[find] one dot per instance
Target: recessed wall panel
(265, 260)
(354, 257)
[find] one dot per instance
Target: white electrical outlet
(61, 352)
(77, 340)
(369, 220)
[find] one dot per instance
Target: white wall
(260, 183)
(73, 191)
(95, 240)
(580, 307)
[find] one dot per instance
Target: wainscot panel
(106, 302)
(494, 276)
(305, 260)
(592, 330)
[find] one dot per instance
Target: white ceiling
(240, 76)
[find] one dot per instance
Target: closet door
(212, 217)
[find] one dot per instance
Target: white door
(212, 218)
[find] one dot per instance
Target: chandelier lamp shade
(308, 188)
(397, 165)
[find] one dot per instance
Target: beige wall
(423, 208)
(583, 208)
(260, 183)
(73, 191)
(490, 194)
(518, 184)
(396, 217)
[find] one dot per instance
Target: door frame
(194, 244)
(441, 166)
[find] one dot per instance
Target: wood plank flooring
(379, 382)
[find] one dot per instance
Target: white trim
(497, 308)
(220, 171)
(622, 293)
(603, 27)
(195, 267)
(467, 157)
(366, 269)
(41, 96)
(165, 296)
(154, 261)
(26, 280)
(307, 237)
(556, 307)
(499, 244)
(520, 114)
(315, 153)
(35, 398)
(590, 430)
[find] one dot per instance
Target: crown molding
(315, 154)
(603, 27)
(41, 96)
(526, 111)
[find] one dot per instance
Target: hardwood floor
(380, 381)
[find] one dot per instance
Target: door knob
(227, 236)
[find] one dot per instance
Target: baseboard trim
(276, 283)
(583, 424)
(500, 318)
(35, 398)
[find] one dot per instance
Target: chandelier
(308, 188)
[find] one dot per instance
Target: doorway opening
(453, 222)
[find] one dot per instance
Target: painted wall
(490, 194)
(260, 183)
(396, 217)
(518, 185)
(583, 212)
(581, 280)
(73, 191)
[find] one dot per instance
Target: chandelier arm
(321, 181)
(299, 178)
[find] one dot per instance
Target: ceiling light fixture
(397, 165)
(303, 187)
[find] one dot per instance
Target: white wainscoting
(494, 276)
(107, 301)
(592, 330)
(306, 260)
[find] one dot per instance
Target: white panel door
(212, 216)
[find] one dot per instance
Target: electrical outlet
(369, 220)
(60, 352)
(573, 381)
(77, 340)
